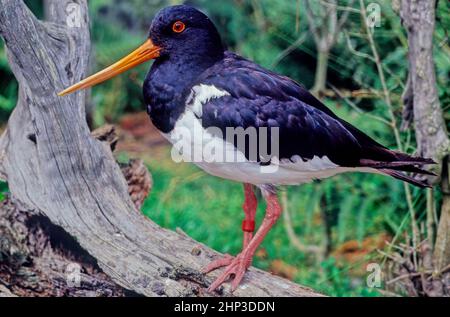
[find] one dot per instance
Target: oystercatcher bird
(196, 91)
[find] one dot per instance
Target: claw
(219, 281)
(236, 269)
(237, 279)
(220, 262)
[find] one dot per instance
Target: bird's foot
(235, 267)
(225, 260)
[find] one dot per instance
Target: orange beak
(144, 53)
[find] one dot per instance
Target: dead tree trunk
(422, 107)
(54, 166)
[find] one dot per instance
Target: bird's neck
(168, 84)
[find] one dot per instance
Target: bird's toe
(235, 269)
(225, 260)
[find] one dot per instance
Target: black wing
(259, 98)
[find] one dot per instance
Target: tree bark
(442, 245)
(421, 96)
(38, 258)
(55, 167)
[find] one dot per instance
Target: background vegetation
(334, 227)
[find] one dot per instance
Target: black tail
(398, 164)
(406, 178)
(391, 163)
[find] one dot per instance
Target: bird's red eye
(178, 27)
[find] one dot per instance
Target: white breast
(201, 94)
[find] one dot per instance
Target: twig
(259, 14)
(397, 259)
(341, 8)
(356, 108)
(323, 36)
(359, 93)
(356, 52)
(295, 241)
(289, 50)
(344, 16)
(430, 215)
(445, 269)
(400, 277)
(417, 274)
(312, 25)
(397, 235)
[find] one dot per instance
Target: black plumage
(260, 98)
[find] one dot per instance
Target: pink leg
(241, 263)
(249, 206)
(248, 227)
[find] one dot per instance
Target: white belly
(192, 143)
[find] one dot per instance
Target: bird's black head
(181, 34)
(184, 32)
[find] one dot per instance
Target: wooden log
(38, 258)
(54, 166)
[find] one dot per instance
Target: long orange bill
(144, 53)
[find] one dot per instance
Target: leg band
(248, 225)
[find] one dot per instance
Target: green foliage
(8, 87)
(3, 190)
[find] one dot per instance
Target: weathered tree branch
(53, 165)
(422, 99)
(38, 258)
